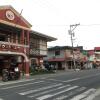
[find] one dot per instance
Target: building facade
(62, 56)
(38, 47)
(94, 57)
(18, 43)
(97, 56)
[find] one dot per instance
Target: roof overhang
(56, 59)
(46, 37)
(14, 25)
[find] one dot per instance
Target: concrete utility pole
(72, 34)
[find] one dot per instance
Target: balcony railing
(35, 51)
(38, 52)
(8, 46)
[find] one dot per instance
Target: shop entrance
(1, 66)
(59, 65)
(10, 62)
(5, 62)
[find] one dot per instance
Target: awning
(56, 59)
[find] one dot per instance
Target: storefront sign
(4, 46)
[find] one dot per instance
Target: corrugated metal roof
(48, 38)
(65, 47)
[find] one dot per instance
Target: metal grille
(34, 51)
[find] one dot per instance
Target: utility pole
(72, 34)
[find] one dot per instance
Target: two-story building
(97, 56)
(62, 56)
(18, 43)
(38, 47)
(94, 57)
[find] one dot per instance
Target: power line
(90, 25)
(55, 25)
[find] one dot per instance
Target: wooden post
(28, 38)
(22, 37)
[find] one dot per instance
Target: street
(73, 85)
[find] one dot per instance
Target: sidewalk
(97, 95)
(57, 72)
(94, 96)
(23, 78)
(97, 98)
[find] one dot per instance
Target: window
(57, 53)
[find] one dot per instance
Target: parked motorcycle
(17, 73)
(10, 75)
(5, 75)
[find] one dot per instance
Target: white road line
(90, 76)
(47, 91)
(92, 96)
(54, 94)
(40, 89)
(71, 80)
(66, 80)
(21, 85)
(18, 81)
(84, 94)
(62, 97)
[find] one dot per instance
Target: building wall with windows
(14, 39)
(38, 47)
(63, 56)
(16, 44)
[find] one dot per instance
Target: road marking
(20, 85)
(40, 89)
(92, 96)
(90, 76)
(66, 80)
(71, 80)
(62, 97)
(54, 94)
(61, 87)
(84, 94)
(18, 81)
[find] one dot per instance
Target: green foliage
(39, 71)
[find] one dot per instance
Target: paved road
(74, 85)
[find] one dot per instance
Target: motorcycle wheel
(4, 78)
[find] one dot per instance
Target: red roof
(97, 48)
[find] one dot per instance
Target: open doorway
(59, 66)
(1, 66)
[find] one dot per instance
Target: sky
(54, 17)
